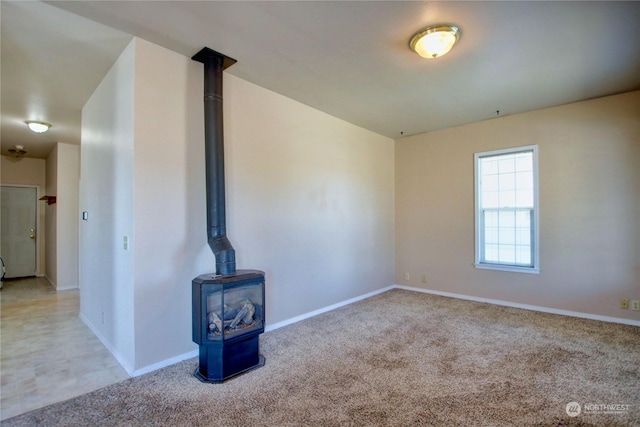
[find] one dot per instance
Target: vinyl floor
(47, 354)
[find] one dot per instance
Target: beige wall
(63, 164)
(29, 171)
(309, 201)
(51, 264)
(589, 166)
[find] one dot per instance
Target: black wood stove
(228, 305)
(228, 317)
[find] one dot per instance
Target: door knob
(32, 236)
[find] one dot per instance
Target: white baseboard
(268, 328)
(127, 367)
(525, 306)
(164, 363)
(59, 288)
(51, 282)
(194, 353)
(323, 310)
(107, 344)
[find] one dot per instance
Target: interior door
(18, 227)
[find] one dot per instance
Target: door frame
(39, 223)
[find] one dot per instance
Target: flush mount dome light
(435, 41)
(38, 127)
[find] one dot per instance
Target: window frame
(534, 268)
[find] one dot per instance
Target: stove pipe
(214, 64)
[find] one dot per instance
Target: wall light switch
(85, 216)
(125, 243)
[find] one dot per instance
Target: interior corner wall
(106, 194)
(309, 201)
(51, 215)
(28, 171)
(589, 178)
(66, 225)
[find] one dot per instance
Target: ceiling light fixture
(38, 127)
(18, 152)
(435, 41)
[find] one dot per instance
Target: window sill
(511, 268)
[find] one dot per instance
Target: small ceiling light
(38, 127)
(18, 152)
(435, 41)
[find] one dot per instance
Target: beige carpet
(400, 358)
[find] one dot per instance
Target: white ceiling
(347, 58)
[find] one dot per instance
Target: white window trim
(536, 212)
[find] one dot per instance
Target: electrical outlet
(635, 305)
(407, 276)
(624, 304)
(103, 317)
(423, 278)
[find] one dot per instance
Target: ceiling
(349, 59)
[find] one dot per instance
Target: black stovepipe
(214, 64)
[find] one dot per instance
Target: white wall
(66, 249)
(589, 173)
(106, 193)
(310, 202)
(169, 250)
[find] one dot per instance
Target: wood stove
(228, 317)
(228, 305)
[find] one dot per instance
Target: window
(507, 209)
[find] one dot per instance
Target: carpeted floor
(400, 358)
